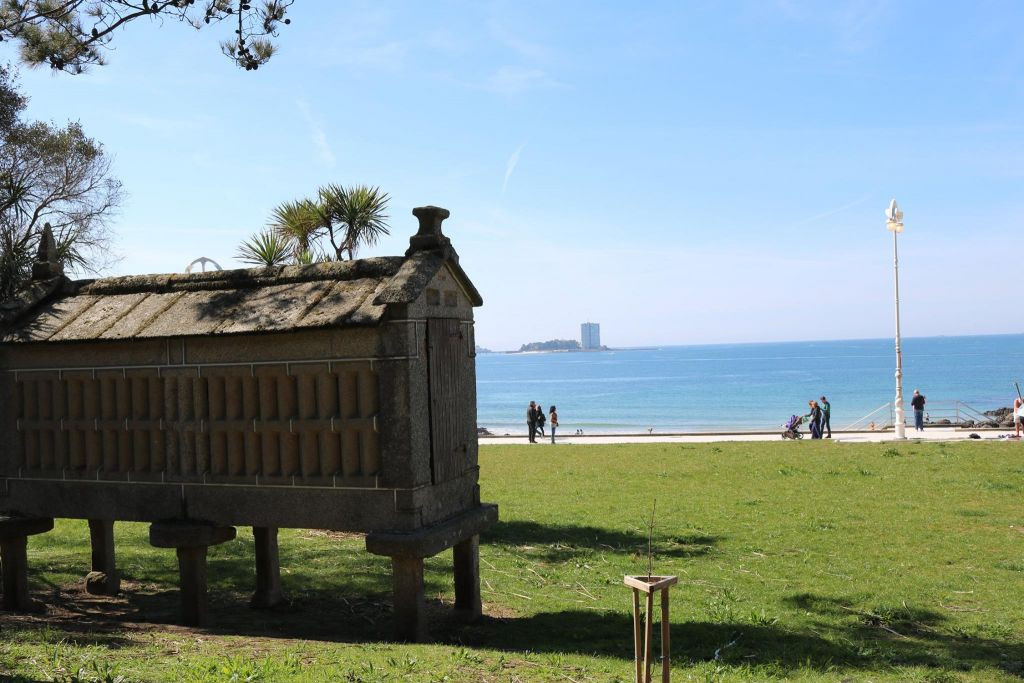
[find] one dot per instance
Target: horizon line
(786, 341)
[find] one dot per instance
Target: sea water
(746, 386)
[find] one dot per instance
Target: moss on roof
(336, 294)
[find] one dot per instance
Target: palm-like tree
(15, 244)
(268, 248)
(358, 213)
(298, 223)
(350, 217)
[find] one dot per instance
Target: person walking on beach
(531, 421)
(540, 418)
(917, 403)
(826, 415)
(815, 419)
(1018, 416)
(553, 419)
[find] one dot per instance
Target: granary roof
(337, 294)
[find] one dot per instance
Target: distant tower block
(590, 336)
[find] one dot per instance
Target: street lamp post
(894, 224)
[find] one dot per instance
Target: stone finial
(430, 237)
(47, 265)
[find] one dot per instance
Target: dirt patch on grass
(332, 535)
(94, 618)
(143, 608)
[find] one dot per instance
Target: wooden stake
(637, 636)
(666, 658)
(643, 628)
(647, 643)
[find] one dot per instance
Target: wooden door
(450, 398)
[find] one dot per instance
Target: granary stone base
(293, 507)
(407, 580)
(268, 569)
(466, 558)
(104, 578)
(191, 540)
(462, 533)
(14, 533)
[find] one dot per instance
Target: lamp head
(894, 218)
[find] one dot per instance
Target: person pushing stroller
(815, 419)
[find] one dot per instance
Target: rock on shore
(1003, 416)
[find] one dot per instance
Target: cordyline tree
(70, 35)
(331, 227)
(50, 175)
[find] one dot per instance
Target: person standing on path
(531, 421)
(540, 418)
(1018, 416)
(815, 419)
(553, 419)
(917, 403)
(826, 415)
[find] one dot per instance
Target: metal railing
(937, 413)
(872, 420)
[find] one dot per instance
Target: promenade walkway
(930, 434)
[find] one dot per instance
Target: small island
(552, 345)
(480, 349)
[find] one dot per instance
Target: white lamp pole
(894, 223)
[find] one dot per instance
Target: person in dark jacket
(826, 415)
(531, 421)
(540, 418)
(918, 405)
(814, 418)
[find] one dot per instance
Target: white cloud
(533, 52)
(161, 125)
(831, 212)
(384, 56)
(856, 26)
(513, 80)
(317, 133)
(513, 161)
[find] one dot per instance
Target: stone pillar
(195, 610)
(14, 533)
(14, 555)
(407, 550)
(407, 573)
(268, 568)
(191, 540)
(103, 579)
(466, 556)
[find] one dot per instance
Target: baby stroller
(793, 428)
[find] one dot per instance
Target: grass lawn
(816, 561)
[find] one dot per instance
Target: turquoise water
(744, 386)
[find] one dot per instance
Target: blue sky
(679, 172)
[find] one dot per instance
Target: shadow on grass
(557, 542)
(858, 645)
(880, 638)
(305, 565)
(352, 604)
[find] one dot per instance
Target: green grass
(813, 561)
